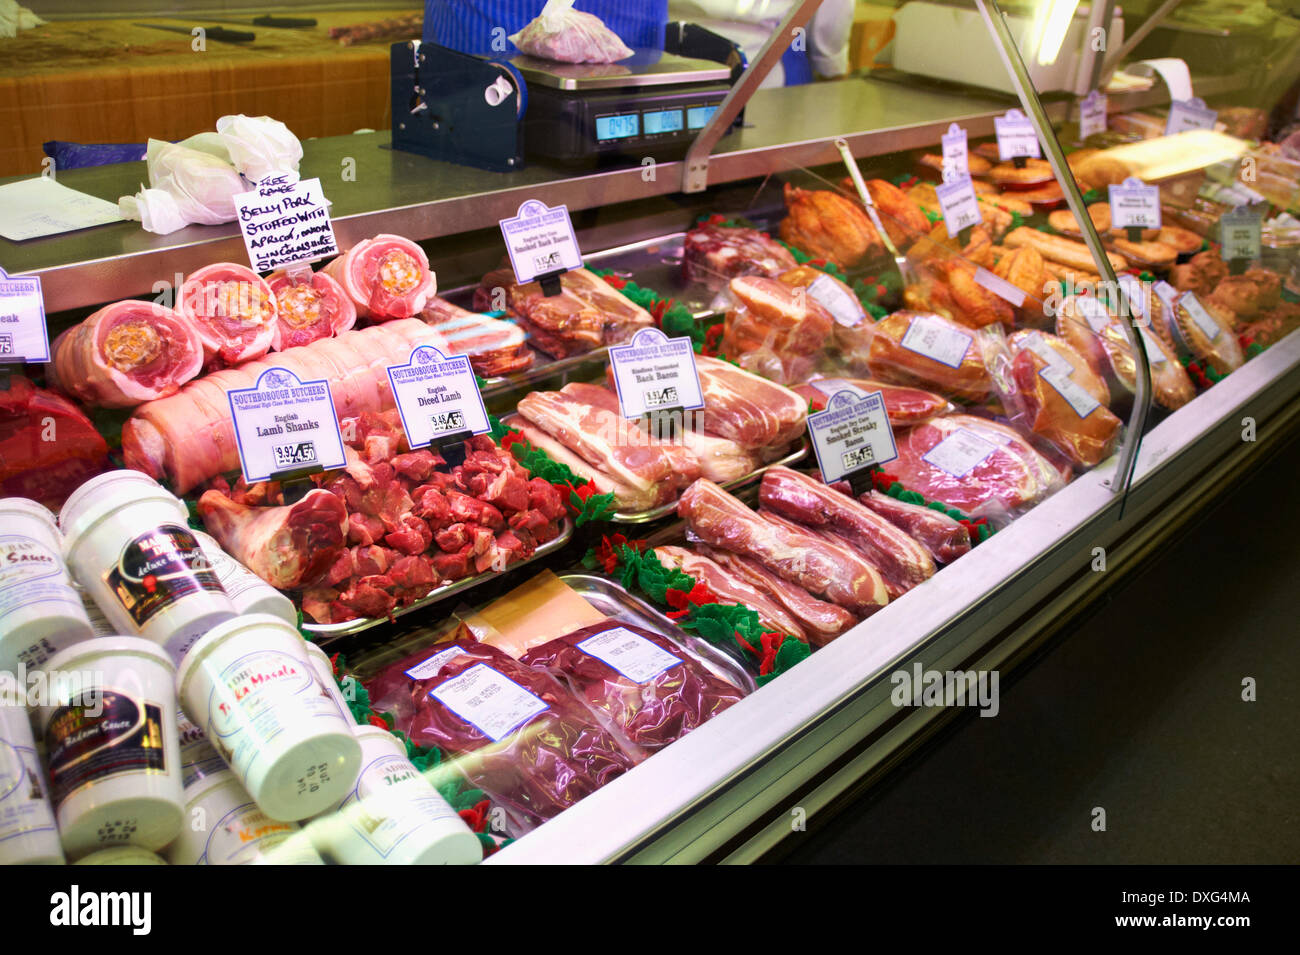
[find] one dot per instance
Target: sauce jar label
(22, 793)
(157, 569)
(25, 562)
(122, 736)
(242, 835)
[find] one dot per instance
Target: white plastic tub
(40, 611)
(247, 591)
(28, 833)
(198, 759)
(226, 827)
(394, 816)
(123, 855)
(320, 663)
(111, 746)
(131, 550)
(249, 686)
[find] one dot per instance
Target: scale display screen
(617, 127)
(662, 121)
(697, 117)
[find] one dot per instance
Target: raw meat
(386, 277)
(307, 310)
(901, 560)
(566, 35)
(627, 497)
(586, 314)
(963, 376)
(904, 406)
(719, 520)
(651, 710)
(189, 437)
(713, 254)
(988, 470)
(822, 621)
(288, 546)
(943, 537)
(719, 460)
(829, 225)
(232, 309)
(757, 414)
(731, 588)
(773, 329)
(126, 353)
(48, 448)
(494, 347)
(609, 442)
(555, 755)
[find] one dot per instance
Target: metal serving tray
(348, 628)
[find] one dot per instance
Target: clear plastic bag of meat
(1051, 394)
(511, 730)
(652, 689)
(928, 351)
(567, 35)
(773, 329)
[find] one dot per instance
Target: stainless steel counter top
(376, 189)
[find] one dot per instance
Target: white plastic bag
(259, 146)
(567, 35)
(185, 186)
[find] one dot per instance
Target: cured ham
(586, 314)
(712, 254)
(494, 347)
(757, 414)
(903, 405)
(189, 437)
(288, 546)
(126, 353)
(915, 348)
(732, 588)
(608, 442)
(386, 277)
(719, 520)
(901, 560)
(943, 537)
(774, 329)
(233, 310)
(307, 310)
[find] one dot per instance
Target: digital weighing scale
(651, 103)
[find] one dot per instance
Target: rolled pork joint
(125, 354)
(288, 546)
(233, 310)
(386, 277)
(308, 308)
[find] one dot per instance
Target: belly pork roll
(308, 310)
(233, 310)
(386, 277)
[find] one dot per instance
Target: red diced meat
(529, 520)
(411, 537)
(547, 533)
(380, 447)
(370, 560)
(453, 566)
(388, 502)
(464, 507)
(368, 597)
(364, 529)
(481, 538)
(451, 539)
(417, 465)
(514, 546)
(342, 568)
(413, 572)
(433, 506)
(546, 498)
(508, 492)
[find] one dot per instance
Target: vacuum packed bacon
(386, 277)
(232, 309)
(126, 353)
(494, 347)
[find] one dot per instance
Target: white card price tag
(959, 453)
(1134, 203)
(655, 373)
(930, 336)
(1185, 114)
(1037, 344)
(489, 701)
(956, 162)
(1200, 317)
(1155, 351)
(1092, 114)
(629, 653)
(960, 207)
(843, 306)
(1016, 136)
(23, 336)
(540, 240)
(852, 433)
(1239, 231)
(283, 424)
(284, 221)
(999, 286)
(1138, 295)
(1076, 396)
(437, 396)
(1093, 312)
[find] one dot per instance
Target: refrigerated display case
(1199, 392)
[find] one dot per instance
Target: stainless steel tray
(643, 517)
(613, 600)
(348, 628)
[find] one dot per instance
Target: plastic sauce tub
(130, 548)
(249, 686)
(123, 855)
(198, 759)
(394, 816)
(111, 745)
(320, 663)
(28, 833)
(247, 591)
(224, 826)
(40, 610)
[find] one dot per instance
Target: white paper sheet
(36, 207)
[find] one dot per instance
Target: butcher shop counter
(375, 189)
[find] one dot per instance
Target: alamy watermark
(922, 687)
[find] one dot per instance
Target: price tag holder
(851, 435)
(1239, 232)
(655, 377)
(285, 221)
(956, 162)
(1134, 205)
(1092, 114)
(285, 428)
(961, 209)
(541, 244)
(23, 335)
(438, 398)
(1000, 287)
(1016, 136)
(1185, 114)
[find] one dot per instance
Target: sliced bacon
(731, 587)
(126, 353)
(233, 310)
(386, 277)
(308, 310)
(495, 347)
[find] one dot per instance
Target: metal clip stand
(295, 482)
(663, 423)
(860, 481)
(451, 447)
(7, 371)
(550, 282)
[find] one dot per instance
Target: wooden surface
(95, 81)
